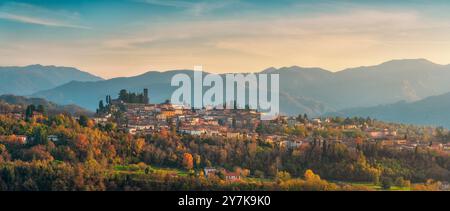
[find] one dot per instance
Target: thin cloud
(366, 22)
(37, 21)
(329, 40)
(30, 14)
(170, 3)
(195, 8)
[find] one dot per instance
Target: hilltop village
(134, 114)
(131, 143)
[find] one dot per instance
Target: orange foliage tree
(188, 161)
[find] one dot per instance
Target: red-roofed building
(233, 177)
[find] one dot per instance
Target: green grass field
(136, 169)
(253, 179)
(378, 187)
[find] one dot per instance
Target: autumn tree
(188, 161)
(38, 152)
(4, 155)
(310, 176)
(138, 146)
(197, 160)
(283, 176)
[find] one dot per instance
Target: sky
(112, 38)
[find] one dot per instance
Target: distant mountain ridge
(314, 91)
(50, 106)
(33, 78)
(389, 82)
(433, 111)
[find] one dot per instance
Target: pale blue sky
(127, 37)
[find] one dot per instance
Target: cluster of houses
(224, 123)
(390, 138)
(23, 139)
(228, 176)
(145, 118)
(150, 118)
(384, 136)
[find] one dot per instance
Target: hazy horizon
(129, 37)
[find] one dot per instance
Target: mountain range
(433, 111)
(314, 91)
(30, 79)
(308, 90)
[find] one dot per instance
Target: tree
(386, 183)
(123, 95)
(283, 176)
(430, 185)
(109, 127)
(40, 109)
(37, 152)
(40, 136)
(4, 155)
(138, 146)
(81, 143)
(101, 107)
(83, 121)
(188, 161)
(399, 181)
(197, 160)
(310, 176)
(29, 111)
